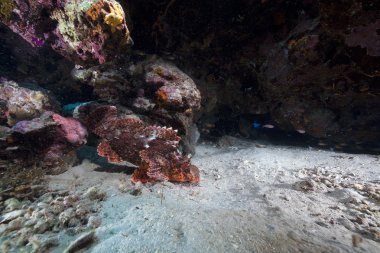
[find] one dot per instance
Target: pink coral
(48, 138)
(75, 133)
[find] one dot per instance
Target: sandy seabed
(251, 198)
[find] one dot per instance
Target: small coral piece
(115, 17)
(153, 148)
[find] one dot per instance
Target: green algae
(6, 8)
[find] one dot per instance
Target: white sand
(246, 202)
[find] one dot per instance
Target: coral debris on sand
(84, 31)
(153, 148)
(40, 226)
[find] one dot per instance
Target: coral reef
(301, 67)
(86, 32)
(20, 103)
(319, 83)
(149, 86)
(47, 140)
(153, 149)
(175, 89)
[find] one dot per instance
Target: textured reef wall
(90, 33)
(307, 66)
(303, 66)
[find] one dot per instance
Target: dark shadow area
(90, 153)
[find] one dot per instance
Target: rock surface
(83, 31)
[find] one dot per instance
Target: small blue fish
(69, 109)
(256, 125)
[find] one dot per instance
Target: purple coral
(38, 42)
(87, 32)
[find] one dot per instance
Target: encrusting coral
(21, 103)
(115, 17)
(31, 133)
(86, 32)
(45, 140)
(153, 149)
(175, 89)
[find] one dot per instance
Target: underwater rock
(94, 222)
(306, 65)
(12, 204)
(319, 81)
(18, 103)
(109, 83)
(158, 83)
(93, 193)
(47, 140)
(128, 139)
(85, 32)
(174, 89)
(152, 87)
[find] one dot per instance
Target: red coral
(153, 148)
